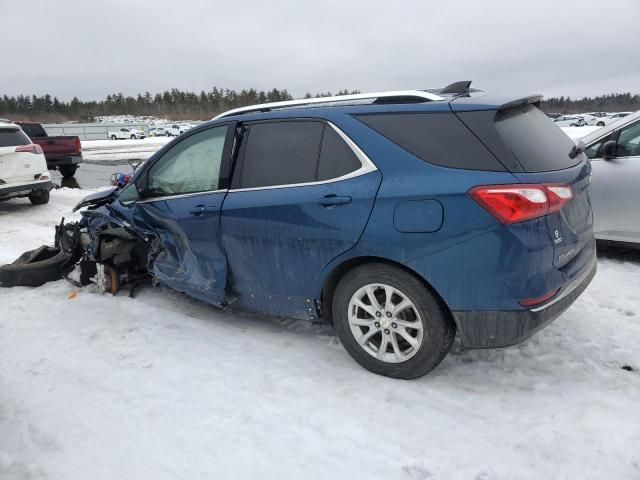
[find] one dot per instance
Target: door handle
(333, 200)
(202, 209)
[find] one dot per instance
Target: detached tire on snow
(34, 268)
(390, 323)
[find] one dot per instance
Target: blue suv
(402, 218)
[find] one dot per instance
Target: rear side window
(281, 153)
(437, 138)
(336, 157)
(13, 137)
(34, 130)
(537, 144)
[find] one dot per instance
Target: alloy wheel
(385, 323)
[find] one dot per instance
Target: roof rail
(400, 96)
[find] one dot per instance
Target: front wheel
(390, 323)
(113, 137)
(168, 134)
(68, 171)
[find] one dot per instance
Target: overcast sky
(91, 48)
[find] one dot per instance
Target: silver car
(614, 151)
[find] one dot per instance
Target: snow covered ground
(164, 387)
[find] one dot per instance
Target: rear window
(34, 130)
(437, 138)
(537, 144)
(13, 137)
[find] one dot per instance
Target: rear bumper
(493, 329)
(23, 188)
(62, 161)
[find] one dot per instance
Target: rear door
(17, 166)
(181, 196)
(615, 191)
(301, 195)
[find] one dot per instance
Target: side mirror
(129, 194)
(609, 149)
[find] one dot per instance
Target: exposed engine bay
(103, 252)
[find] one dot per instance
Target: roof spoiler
(528, 100)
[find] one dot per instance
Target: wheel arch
(335, 275)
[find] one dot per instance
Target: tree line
(177, 104)
(614, 102)
(172, 104)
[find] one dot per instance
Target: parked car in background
(590, 120)
(569, 121)
(23, 166)
(398, 217)
(63, 152)
(614, 151)
(125, 133)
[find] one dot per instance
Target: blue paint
(418, 216)
(272, 250)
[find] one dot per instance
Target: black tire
(167, 134)
(133, 137)
(34, 268)
(438, 327)
(39, 197)
(573, 125)
(68, 171)
(600, 124)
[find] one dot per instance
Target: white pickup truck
(125, 133)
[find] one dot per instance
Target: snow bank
(164, 387)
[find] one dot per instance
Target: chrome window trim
(180, 195)
(366, 166)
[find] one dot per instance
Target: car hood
(99, 198)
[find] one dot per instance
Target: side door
(181, 194)
(301, 195)
(614, 189)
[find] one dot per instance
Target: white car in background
(125, 133)
(23, 167)
(569, 121)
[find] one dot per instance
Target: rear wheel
(600, 124)
(39, 197)
(390, 323)
(167, 134)
(68, 170)
(113, 137)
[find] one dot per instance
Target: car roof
(431, 100)
(4, 123)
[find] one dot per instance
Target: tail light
(521, 202)
(78, 145)
(31, 148)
